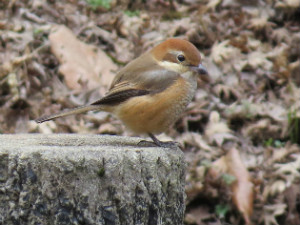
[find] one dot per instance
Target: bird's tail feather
(78, 110)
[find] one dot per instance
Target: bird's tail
(78, 110)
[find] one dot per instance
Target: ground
(240, 134)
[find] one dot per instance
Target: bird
(151, 92)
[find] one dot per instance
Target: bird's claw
(167, 144)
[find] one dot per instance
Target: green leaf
(94, 4)
(132, 13)
(221, 210)
(228, 178)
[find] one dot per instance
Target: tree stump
(89, 179)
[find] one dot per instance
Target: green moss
(132, 13)
(274, 143)
(101, 171)
(221, 210)
(228, 179)
(94, 4)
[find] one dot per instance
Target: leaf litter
(240, 134)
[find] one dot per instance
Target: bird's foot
(167, 144)
(144, 143)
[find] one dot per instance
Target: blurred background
(241, 133)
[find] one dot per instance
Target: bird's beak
(202, 71)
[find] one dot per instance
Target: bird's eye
(180, 58)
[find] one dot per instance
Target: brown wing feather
(140, 77)
(143, 73)
(119, 97)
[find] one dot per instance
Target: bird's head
(180, 56)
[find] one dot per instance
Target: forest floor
(241, 133)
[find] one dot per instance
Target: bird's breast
(154, 113)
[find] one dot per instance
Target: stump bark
(89, 179)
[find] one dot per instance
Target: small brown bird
(150, 93)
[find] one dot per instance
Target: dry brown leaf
(292, 197)
(82, 65)
(258, 23)
(258, 59)
(281, 35)
(218, 167)
(197, 215)
(212, 4)
(223, 51)
(226, 92)
(271, 212)
(196, 140)
(193, 189)
(290, 170)
(279, 154)
(274, 188)
(272, 110)
(293, 4)
(242, 187)
(217, 131)
(283, 175)
(261, 130)
(108, 128)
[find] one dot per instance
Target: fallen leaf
(274, 188)
(292, 196)
(82, 65)
(196, 140)
(217, 131)
(293, 4)
(261, 130)
(242, 187)
(197, 215)
(258, 59)
(223, 51)
(290, 170)
(270, 213)
(212, 4)
(226, 92)
(260, 23)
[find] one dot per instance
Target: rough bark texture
(88, 179)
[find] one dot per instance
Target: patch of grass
(268, 143)
(207, 163)
(279, 144)
(228, 179)
(37, 31)
(221, 210)
(101, 172)
(94, 4)
(132, 13)
(115, 60)
(249, 109)
(274, 143)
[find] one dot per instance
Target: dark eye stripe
(170, 58)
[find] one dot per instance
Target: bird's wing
(120, 96)
(141, 77)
